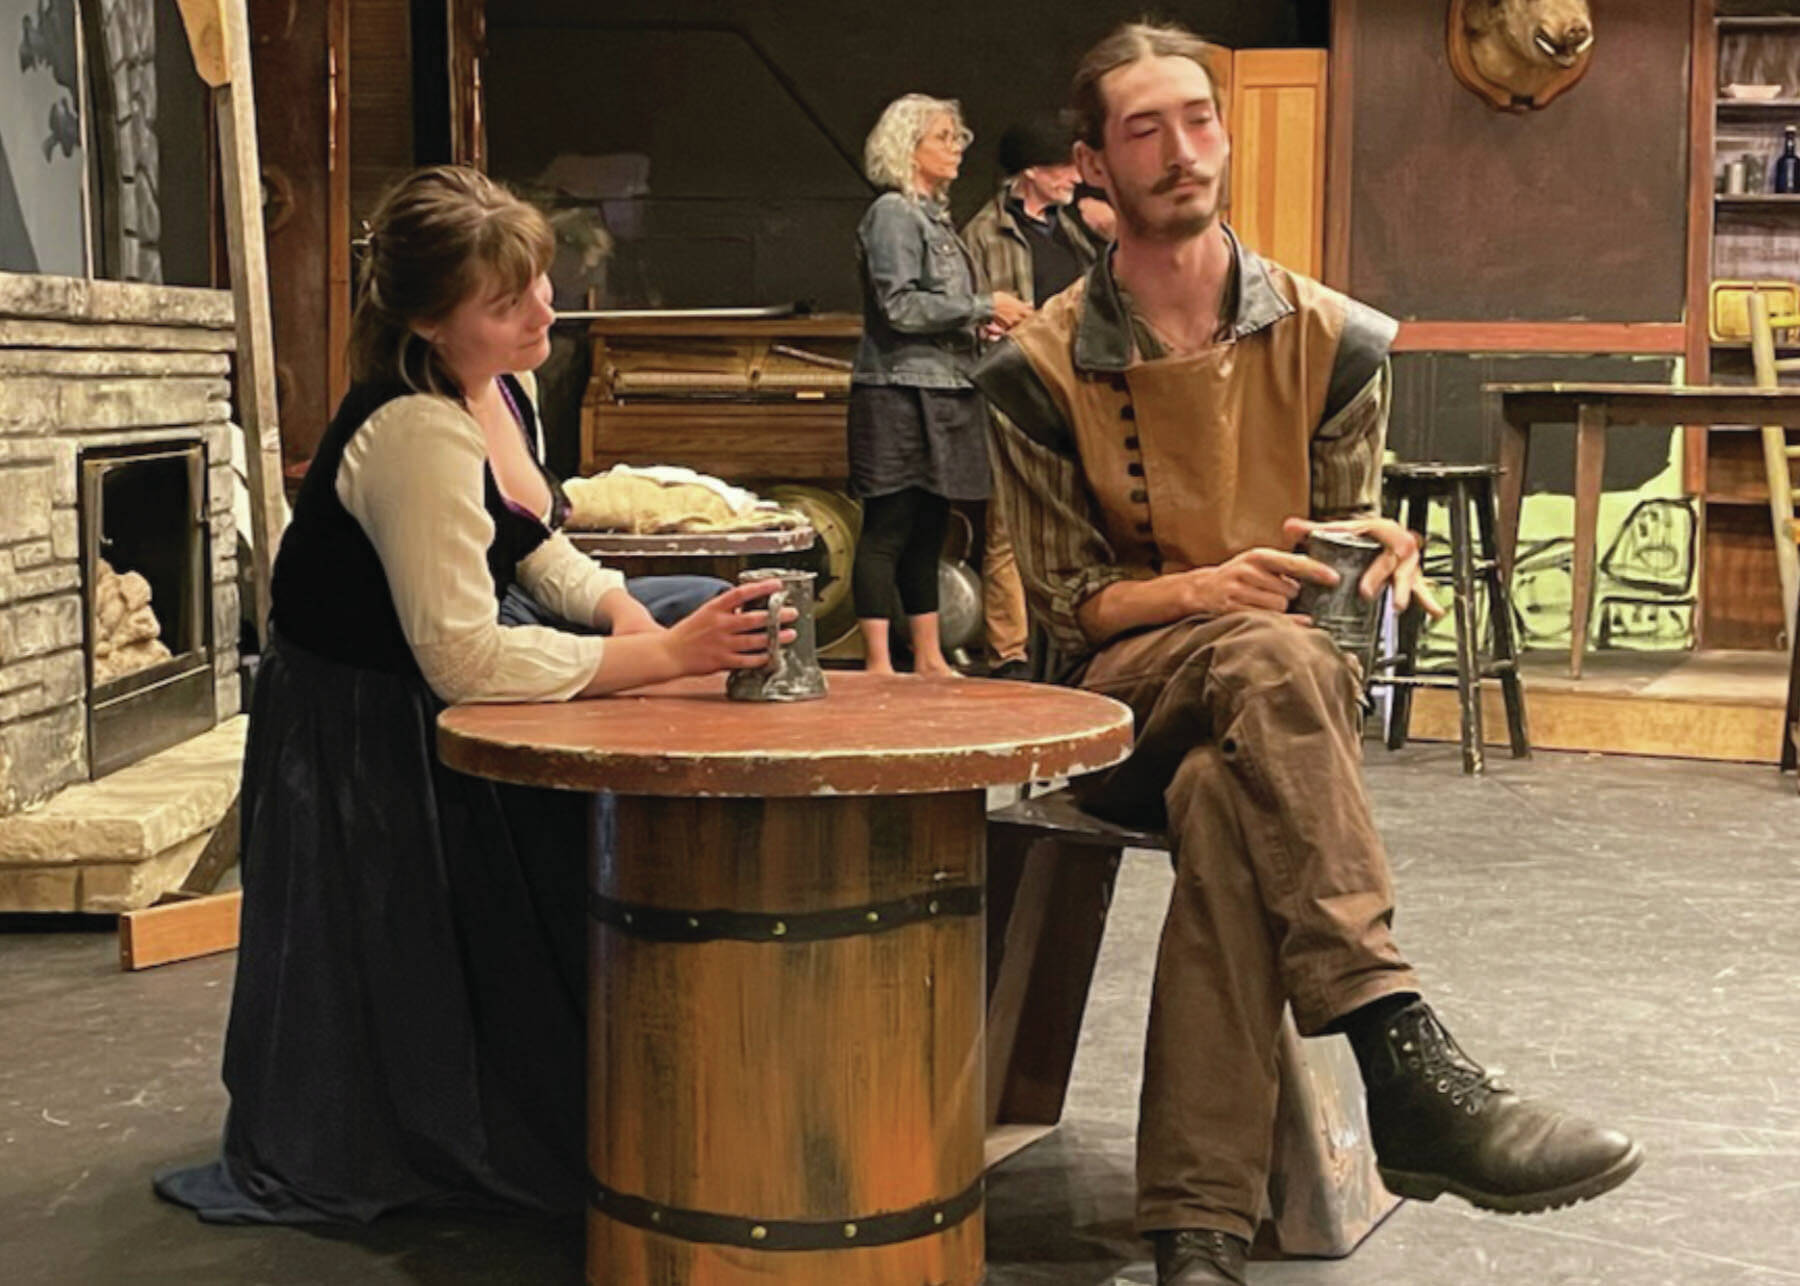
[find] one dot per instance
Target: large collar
(1103, 339)
(1008, 210)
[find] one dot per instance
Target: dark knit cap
(1038, 140)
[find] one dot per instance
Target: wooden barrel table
(786, 1081)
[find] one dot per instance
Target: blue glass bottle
(1787, 165)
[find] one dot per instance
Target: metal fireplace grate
(148, 622)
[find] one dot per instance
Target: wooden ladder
(1778, 456)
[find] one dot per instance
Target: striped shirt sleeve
(1347, 453)
(1064, 558)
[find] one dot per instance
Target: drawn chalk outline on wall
(1654, 549)
(1646, 624)
(1644, 595)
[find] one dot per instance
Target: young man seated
(1167, 428)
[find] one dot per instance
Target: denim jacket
(921, 308)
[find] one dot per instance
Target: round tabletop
(871, 735)
(692, 544)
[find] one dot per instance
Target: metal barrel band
(661, 924)
(787, 1234)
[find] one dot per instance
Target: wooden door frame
(1340, 134)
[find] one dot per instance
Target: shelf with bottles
(1753, 160)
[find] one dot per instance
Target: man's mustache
(1168, 182)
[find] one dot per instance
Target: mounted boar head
(1520, 53)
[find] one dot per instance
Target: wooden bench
(1051, 872)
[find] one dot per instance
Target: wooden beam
(234, 104)
(1653, 338)
(179, 930)
(1703, 73)
(1341, 144)
(337, 165)
(1577, 717)
(205, 23)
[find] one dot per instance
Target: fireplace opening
(148, 614)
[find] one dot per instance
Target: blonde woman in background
(917, 428)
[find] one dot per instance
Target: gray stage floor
(1619, 933)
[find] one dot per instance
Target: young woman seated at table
(407, 1024)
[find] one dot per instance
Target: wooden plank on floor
(1618, 724)
(1006, 1140)
(180, 930)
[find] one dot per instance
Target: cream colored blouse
(414, 477)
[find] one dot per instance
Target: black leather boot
(1440, 1124)
(1198, 1257)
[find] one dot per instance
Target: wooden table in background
(688, 553)
(786, 1035)
(1595, 409)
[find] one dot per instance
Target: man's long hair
(1127, 44)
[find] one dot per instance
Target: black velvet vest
(330, 594)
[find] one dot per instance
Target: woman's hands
(623, 614)
(715, 637)
(718, 636)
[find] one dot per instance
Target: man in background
(1030, 241)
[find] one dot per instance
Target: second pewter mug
(792, 672)
(1341, 610)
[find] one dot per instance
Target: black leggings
(902, 533)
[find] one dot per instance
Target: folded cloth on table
(663, 498)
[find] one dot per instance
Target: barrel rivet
(759, 1233)
(938, 1218)
(780, 928)
(874, 917)
(850, 1230)
(932, 906)
(693, 923)
(626, 917)
(656, 1216)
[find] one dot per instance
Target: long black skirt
(408, 1023)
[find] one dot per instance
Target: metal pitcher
(792, 671)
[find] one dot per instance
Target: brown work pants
(1249, 748)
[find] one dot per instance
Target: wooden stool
(1462, 487)
(1051, 868)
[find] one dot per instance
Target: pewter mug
(792, 671)
(1341, 610)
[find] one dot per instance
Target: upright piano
(749, 395)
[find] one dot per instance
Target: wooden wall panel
(1439, 413)
(291, 65)
(1462, 212)
(1740, 586)
(381, 115)
(1278, 112)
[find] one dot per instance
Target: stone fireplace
(118, 588)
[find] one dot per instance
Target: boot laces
(1202, 1241)
(1432, 1052)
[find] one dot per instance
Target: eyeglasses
(959, 139)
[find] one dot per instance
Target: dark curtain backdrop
(751, 199)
